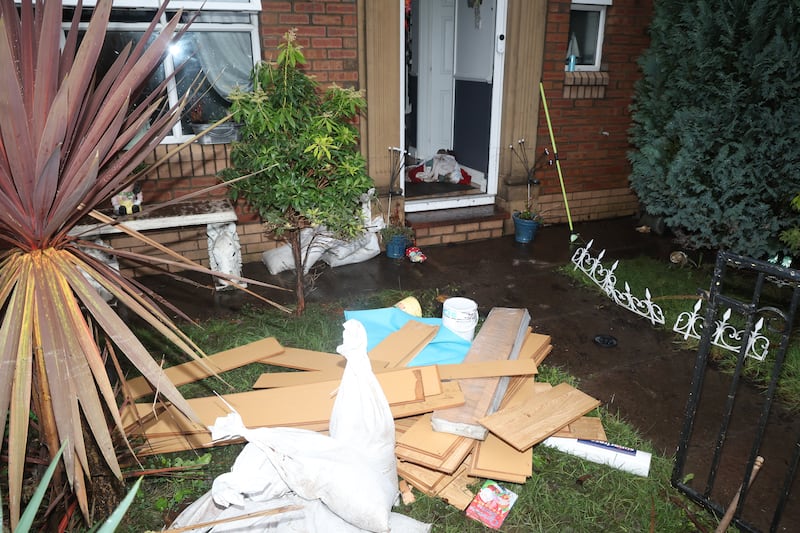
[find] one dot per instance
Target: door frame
(492, 175)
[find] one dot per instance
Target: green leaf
(26, 520)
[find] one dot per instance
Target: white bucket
(460, 315)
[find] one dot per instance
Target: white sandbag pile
(345, 482)
(318, 245)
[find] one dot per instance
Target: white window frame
(600, 7)
(210, 5)
(249, 7)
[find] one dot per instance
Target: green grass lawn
(564, 494)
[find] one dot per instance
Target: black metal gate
(727, 455)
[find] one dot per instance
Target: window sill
(583, 84)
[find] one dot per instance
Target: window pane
(112, 47)
(585, 26)
(221, 61)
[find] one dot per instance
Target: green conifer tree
(716, 117)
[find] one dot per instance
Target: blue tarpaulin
(445, 348)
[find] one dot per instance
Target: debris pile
(453, 423)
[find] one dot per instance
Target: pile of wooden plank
(454, 423)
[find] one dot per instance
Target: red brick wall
(327, 30)
(590, 113)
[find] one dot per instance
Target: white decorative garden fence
(688, 323)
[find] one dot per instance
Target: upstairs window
(220, 49)
(587, 21)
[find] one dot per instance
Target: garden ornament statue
(128, 201)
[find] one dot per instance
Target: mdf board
(301, 359)
(421, 445)
(542, 415)
(536, 347)
(494, 458)
(216, 363)
(488, 369)
(287, 406)
(500, 338)
(451, 396)
(171, 431)
(453, 488)
(586, 428)
(380, 58)
(401, 346)
(268, 380)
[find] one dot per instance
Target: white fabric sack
(361, 417)
(356, 251)
(313, 517)
(313, 244)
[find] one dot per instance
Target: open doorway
(452, 82)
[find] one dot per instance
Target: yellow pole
(573, 236)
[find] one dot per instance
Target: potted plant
(396, 238)
(527, 221)
(298, 162)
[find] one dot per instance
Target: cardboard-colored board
(439, 451)
(500, 338)
(493, 458)
(488, 369)
(452, 488)
(423, 479)
(451, 396)
(401, 346)
(301, 359)
(268, 407)
(269, 380)
(446, 464)
(542, 415)
(173, 432)
(533, 347)
(216, 363)
(457, 493)
(401, 425)
(309, 403)
(586, 427)
(421, 436)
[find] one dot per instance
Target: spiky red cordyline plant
(66, 145)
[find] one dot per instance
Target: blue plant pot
(524, 229)
(396, 247)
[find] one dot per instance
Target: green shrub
(715, 116)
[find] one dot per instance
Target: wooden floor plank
(401, 346)
(302, 359)
(586, 427)
(500, 338)
(545, 413)
(488, 369)
(215, 363)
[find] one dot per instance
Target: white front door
(456, 43)
(435, 75)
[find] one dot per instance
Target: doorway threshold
(448, 202)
